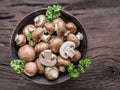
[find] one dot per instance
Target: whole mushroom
(55, 44)
(71, 28)
(40, 67)
(39, 20)
(76, 57)
(20, 39)
(28, 28)
(49, 27)
(30, 69)
(26, 53)
(41, 47)
(60, 27)
(39, 35)
(75, 38)
(62, 62)
(51, 73)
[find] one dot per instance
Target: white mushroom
(39, 20)
(28, 28)
(75, 38)
(20, 39)
(67, 49)
(39, 35)
(51, 73)
(47, 58)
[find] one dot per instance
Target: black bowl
(29, 20)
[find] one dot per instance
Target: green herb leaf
(18, 65)
(84, 64)
(29, 36)
(52, 12)
(73, 71)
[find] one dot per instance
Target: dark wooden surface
(101, 18)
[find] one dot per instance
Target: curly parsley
(29, 36)
(52, 12)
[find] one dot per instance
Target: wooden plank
(102, 22)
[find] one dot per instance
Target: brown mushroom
(38, 35)
(26, 53)
(55, 21)
(55, 45)
(62, 62)
(20, 39)
(76, 57)
(30, 69)
(40, 67)
(51, 73)
(39, 20)
(28, 28)
(76, 39)
(49, 27)
(71, 28)
(41, 47)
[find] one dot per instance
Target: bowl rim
(65, 11)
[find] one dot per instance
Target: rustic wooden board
(101, 18)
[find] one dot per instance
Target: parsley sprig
(18, 65)
(52, 12)
(84, 64)
(29, 36)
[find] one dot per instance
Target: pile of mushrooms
(52, 47)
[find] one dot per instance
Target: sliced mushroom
(47, 58)
(39, 20)
(62, 68)
(40, 67)
(67, 49)
(71, 28)
(39, 35)
(76, 39)
(30, 69)
(26, 53)
(28, 28)
(41, 47)
(55, 45)
(51, 73)
(76, 57)
(62, 62)
(49, 27)
(20, 39)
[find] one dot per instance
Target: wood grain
(101, 19)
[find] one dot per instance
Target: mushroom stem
(70, 52)
(79, 36)
(45, 37)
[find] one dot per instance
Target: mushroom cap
(71, 27)
(20, 39)
(55, 45)
(51, 73)
(39, 20)
(73, 38)
(41, 47)
(40, 67)
(55, 21)
(47, 58)
(62, 62)
(37, 34)
(49, 27)
(26, 53)
(28, 28)
(67, 49)
(61, 29)
(76, 57)
(30, 69)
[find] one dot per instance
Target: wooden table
(101, 18)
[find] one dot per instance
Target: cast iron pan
(29, 20)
